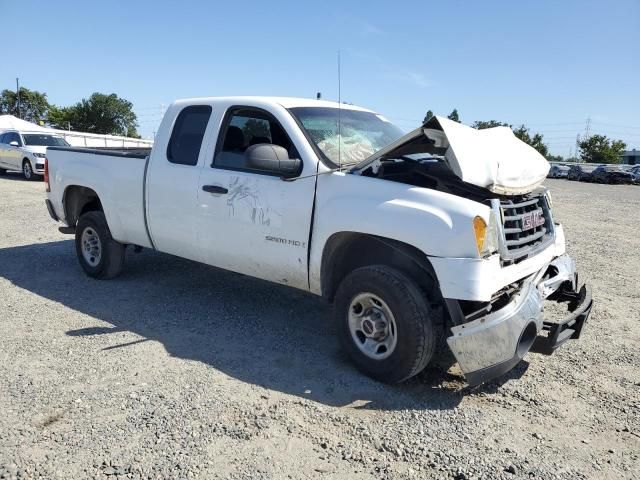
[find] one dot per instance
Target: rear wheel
(385, 323)
(98, 253)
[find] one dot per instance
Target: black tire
(417, 326)
(111, 259)
(3, 171)
(27, 170)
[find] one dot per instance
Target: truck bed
(117, 177)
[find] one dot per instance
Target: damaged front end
(491, 344)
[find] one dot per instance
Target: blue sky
(548, 64)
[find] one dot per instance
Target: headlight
(39, 155)
(549, 199)
(486, 235)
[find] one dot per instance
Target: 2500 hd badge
(285, 241)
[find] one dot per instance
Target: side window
(2, 135)
(188, 132)
(13, 137)
(244, 127)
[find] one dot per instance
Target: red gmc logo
(532, 220)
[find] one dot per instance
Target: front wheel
(99, 254)
(385, 323)
(27, 170)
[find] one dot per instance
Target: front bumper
(492, 345)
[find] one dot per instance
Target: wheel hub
(91, 246)
(372, 326)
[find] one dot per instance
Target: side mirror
(14, 144)
(274, 159)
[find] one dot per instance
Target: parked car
(558, 171)
(635, 172)
(412, 237)
(581, 172)
(611, 174)
(25, 151)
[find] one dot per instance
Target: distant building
(631, 157)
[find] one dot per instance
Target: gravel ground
(179, 370)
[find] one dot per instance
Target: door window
(14, 137)
(243, 128)
(188, 132)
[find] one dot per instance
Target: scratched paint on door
(246, 202)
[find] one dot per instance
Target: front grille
(527, 227)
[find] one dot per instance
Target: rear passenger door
(172, 182)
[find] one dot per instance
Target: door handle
(214, 189)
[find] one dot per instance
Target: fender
(436, 223)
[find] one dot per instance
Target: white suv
(25, 151)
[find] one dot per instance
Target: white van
(26, 151)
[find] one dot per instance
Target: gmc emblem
(532, 220)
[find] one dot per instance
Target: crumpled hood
(493, 158)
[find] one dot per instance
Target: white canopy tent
(9, 122)
(75, 139)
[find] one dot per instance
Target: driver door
(253, 222)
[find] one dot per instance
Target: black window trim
(222, 133)
(173, 128)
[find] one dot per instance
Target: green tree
(534, 140)
(59, 117)
(33, 104)
(555, 158)
(428, 116)
(454, 115)
(100, 113)
(482, 124)
(600, 149)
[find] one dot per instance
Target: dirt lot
(178, 370)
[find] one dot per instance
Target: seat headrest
(234, 139)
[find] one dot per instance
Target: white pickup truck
(444, 232)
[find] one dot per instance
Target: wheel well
(25, 159)
(79, 200)
(347, 251)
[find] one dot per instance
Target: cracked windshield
(359, 135)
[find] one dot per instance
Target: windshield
(359, 136)
(43, 140)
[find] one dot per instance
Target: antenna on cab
(339, 116)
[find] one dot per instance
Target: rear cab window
(188, 132)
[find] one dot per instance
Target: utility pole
(577, 147)
(587, 127)
(18, 94)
